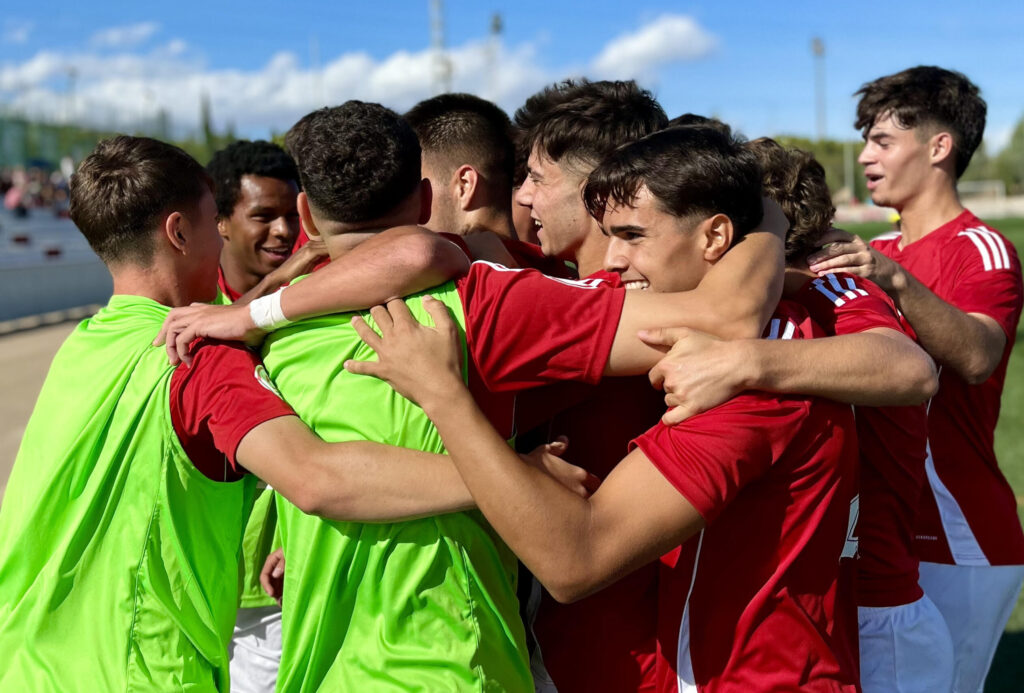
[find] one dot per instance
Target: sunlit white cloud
(668, 39)
(127, 36)
(125, 88)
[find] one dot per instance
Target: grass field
(1007, 672)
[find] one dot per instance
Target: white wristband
(266, 312)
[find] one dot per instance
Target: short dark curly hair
(245, 158)
(929, 97)
(689, 170)
(356, 161)
(795, 179)
(121, 190)
(583, 121)
(462, 129)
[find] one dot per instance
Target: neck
(927, 211)
(490, 219)
(237, 278)
(154, 282)
(589, 257)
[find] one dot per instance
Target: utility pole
(442, 64)
(818, 49)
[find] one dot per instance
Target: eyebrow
(627, 228)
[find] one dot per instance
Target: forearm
(397, 262)
(545, 524)
(953, 338)
(868, 368)
(361, 481)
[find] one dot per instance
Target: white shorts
(905, 649)
(255, 650)
(976, 602)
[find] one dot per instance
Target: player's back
(107, 582)
(425, 605)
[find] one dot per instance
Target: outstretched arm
(361, 481)
(573, 545)
(877, 367)
(972, 344)
(396, 262)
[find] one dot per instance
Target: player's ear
(175, 229)
(306, 216)
(466, 180)
(940, 147)
(717, 233)
(222, 228)
(426, 199)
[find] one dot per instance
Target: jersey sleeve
(524, 328)
(710, 457)
(988, 279)
(219, 399)
(844, 304)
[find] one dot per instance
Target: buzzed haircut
(245, 158)
(457, 129)
(932, 99)
(691, 171)
(356, 161)
(122, 190)
(795, 179)
(582, 122)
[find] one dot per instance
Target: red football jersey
(968, 513)
(892, 444)
(755, 602)
(217, 401)
(525, 329)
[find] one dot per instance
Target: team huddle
(588, 399)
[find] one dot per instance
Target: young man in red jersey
(748, 504)
(869, 359)
(958, 282)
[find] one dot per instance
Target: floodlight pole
(818, 49)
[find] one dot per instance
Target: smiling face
(260, 233)
(652, 249)
(896, 161)
(552, 193)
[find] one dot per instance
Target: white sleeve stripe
(989, 233)
(985, 259)
(819, 284)
(997, 259)
(790, 331)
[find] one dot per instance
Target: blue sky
(265, 65)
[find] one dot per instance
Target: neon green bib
(426, 605)
(118, 558)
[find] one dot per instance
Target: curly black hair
(245, 158)
(356, 161)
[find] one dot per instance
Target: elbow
(567, 585)
(925, 380)
(441, 257)
(978, 370)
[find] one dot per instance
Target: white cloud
(16, 31)
(124, 36)
(123, 89)
(668, 39)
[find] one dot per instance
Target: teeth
(536, 222)
(636, 284)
